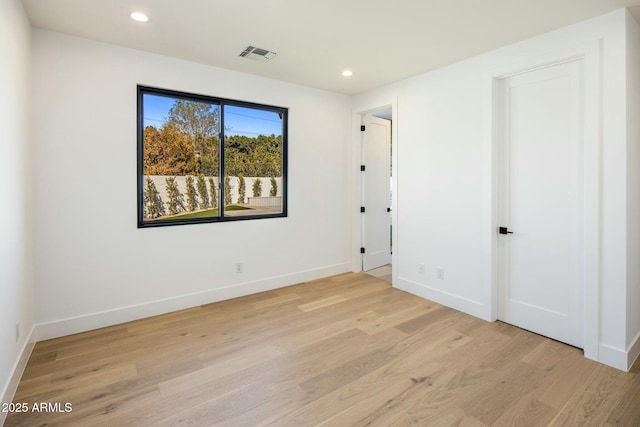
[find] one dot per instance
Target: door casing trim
(357, 113)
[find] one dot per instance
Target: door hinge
(362, 168)
(362, 128)
(362, 209)
(361, 250)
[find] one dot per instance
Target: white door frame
(356, 200)
(590, 53)
(368, 158)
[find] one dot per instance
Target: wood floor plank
(410, 370)
(563, 379)
(594, 405)
(344, 374)
(449, 392)
(347, 350)
(526, 412)
(364, 395)
(396, 409)
(627, 411)
(321, 303)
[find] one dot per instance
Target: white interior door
(541, 265)
(376, 218)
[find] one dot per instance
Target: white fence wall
(160, 182)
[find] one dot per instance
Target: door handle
(504, 230)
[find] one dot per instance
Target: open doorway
(376, 194)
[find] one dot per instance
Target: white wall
(444, 152)
(93, 266)
(16, 252)
(633, 189)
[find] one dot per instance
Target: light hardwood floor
(343, 351)
(383, 273)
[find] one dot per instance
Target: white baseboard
(465, 305)
(10, 388)
(613, 357)
(97, 320)
(633, 352)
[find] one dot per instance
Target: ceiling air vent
(257, 54)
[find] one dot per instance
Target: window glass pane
(253, 161)
(180, 158)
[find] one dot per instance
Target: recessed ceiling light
(347, 73)
(139, 16)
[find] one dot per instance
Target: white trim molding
(633, 352)
(10, 388)
(465, 305)
(612, 356)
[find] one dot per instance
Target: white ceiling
(381, 41)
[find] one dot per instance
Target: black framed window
(204, 159)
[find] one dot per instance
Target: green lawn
(207, 213)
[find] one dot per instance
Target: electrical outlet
(239, 267)
(440, 273)
(421, 268)
(17, 331)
